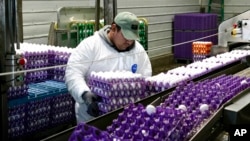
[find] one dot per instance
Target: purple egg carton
(117, 93)
(61, 116)
(134, 123)
(17, 91)
(169, 122)
(16, 129)
(116, 84)
(183, 44)
(32, 55)
(120, 101)
(37, 76)
(63, 109)
(154, 87)
(195, 21)
(213, 92)
(44, 59)
(110, 104)
(85, 132)
(16, 121)
(53, 106)
(105, 108)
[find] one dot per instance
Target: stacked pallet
(190, 27)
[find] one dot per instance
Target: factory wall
(38, 15)
(235, 7)
(159, 14)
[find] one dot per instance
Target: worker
(114, 47)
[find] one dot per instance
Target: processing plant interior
(199, 88)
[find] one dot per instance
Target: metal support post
(110, 10)
(8, 37)
(97, 14)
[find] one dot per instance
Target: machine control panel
(246, 29)
(241, 30)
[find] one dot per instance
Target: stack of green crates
(84, 30)
(143, 33)
(79, 30)
(76, 31)
(66, 38)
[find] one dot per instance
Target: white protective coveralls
(96, 53)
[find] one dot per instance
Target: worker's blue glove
(91, 101)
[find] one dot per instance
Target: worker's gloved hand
(93, 109)
(91, 102)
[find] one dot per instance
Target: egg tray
(39, 91)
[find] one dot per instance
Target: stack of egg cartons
(116, 88)
(37, 58)
(189, 27)
(58, 56)
(38, 102)
(184, 112)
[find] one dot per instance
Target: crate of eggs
(116, 89)
(201, 50)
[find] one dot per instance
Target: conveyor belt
(214, 126)
(103, 121)
(213, 129)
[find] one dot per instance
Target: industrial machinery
(235, 30)
(214, 125)
(230, 113)
(211, 128)
(233, 33)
